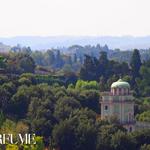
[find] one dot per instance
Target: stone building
(119, 103)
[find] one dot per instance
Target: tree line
(64, 110)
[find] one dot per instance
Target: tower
(119, 102)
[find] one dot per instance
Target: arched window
(106, 107)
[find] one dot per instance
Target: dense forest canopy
(56, 96)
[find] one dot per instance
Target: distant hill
(39, 43)
(4, 48)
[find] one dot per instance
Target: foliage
(65, 106)
(85, 85)
(12, 147)
(144, 117)
(62, 106)
(135, 63)
(75, 133)
(2, 62)
(141, 137)
(123, 141)
(145, 147)
(102, 68)
(38, 146)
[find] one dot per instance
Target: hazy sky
(74, 17)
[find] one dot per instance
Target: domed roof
(120, 84)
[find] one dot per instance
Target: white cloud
(74, 17)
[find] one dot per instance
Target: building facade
(119, 103)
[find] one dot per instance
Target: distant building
(119, 102)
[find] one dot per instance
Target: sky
(74, 17)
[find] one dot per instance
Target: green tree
(2, 118)
(59, 63)
(20, 100)
(2, 62)
(141, 137)
(144, 82)
(103, 58)
(135, 63)
(49, 58)
(145, 147)
(6, 92)
(27, 64)
(65, 106)
(38, 57)
(90, 99)
(86, 85)
(75, 58)
(76, 133)
(144, 117)
(122, 141)
(87, 71)
(12, 147)
(105, 134)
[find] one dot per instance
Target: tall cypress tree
(103, 64)
(135, 63)
(87, 71)
(75, 58)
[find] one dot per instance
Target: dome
(120, 84)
